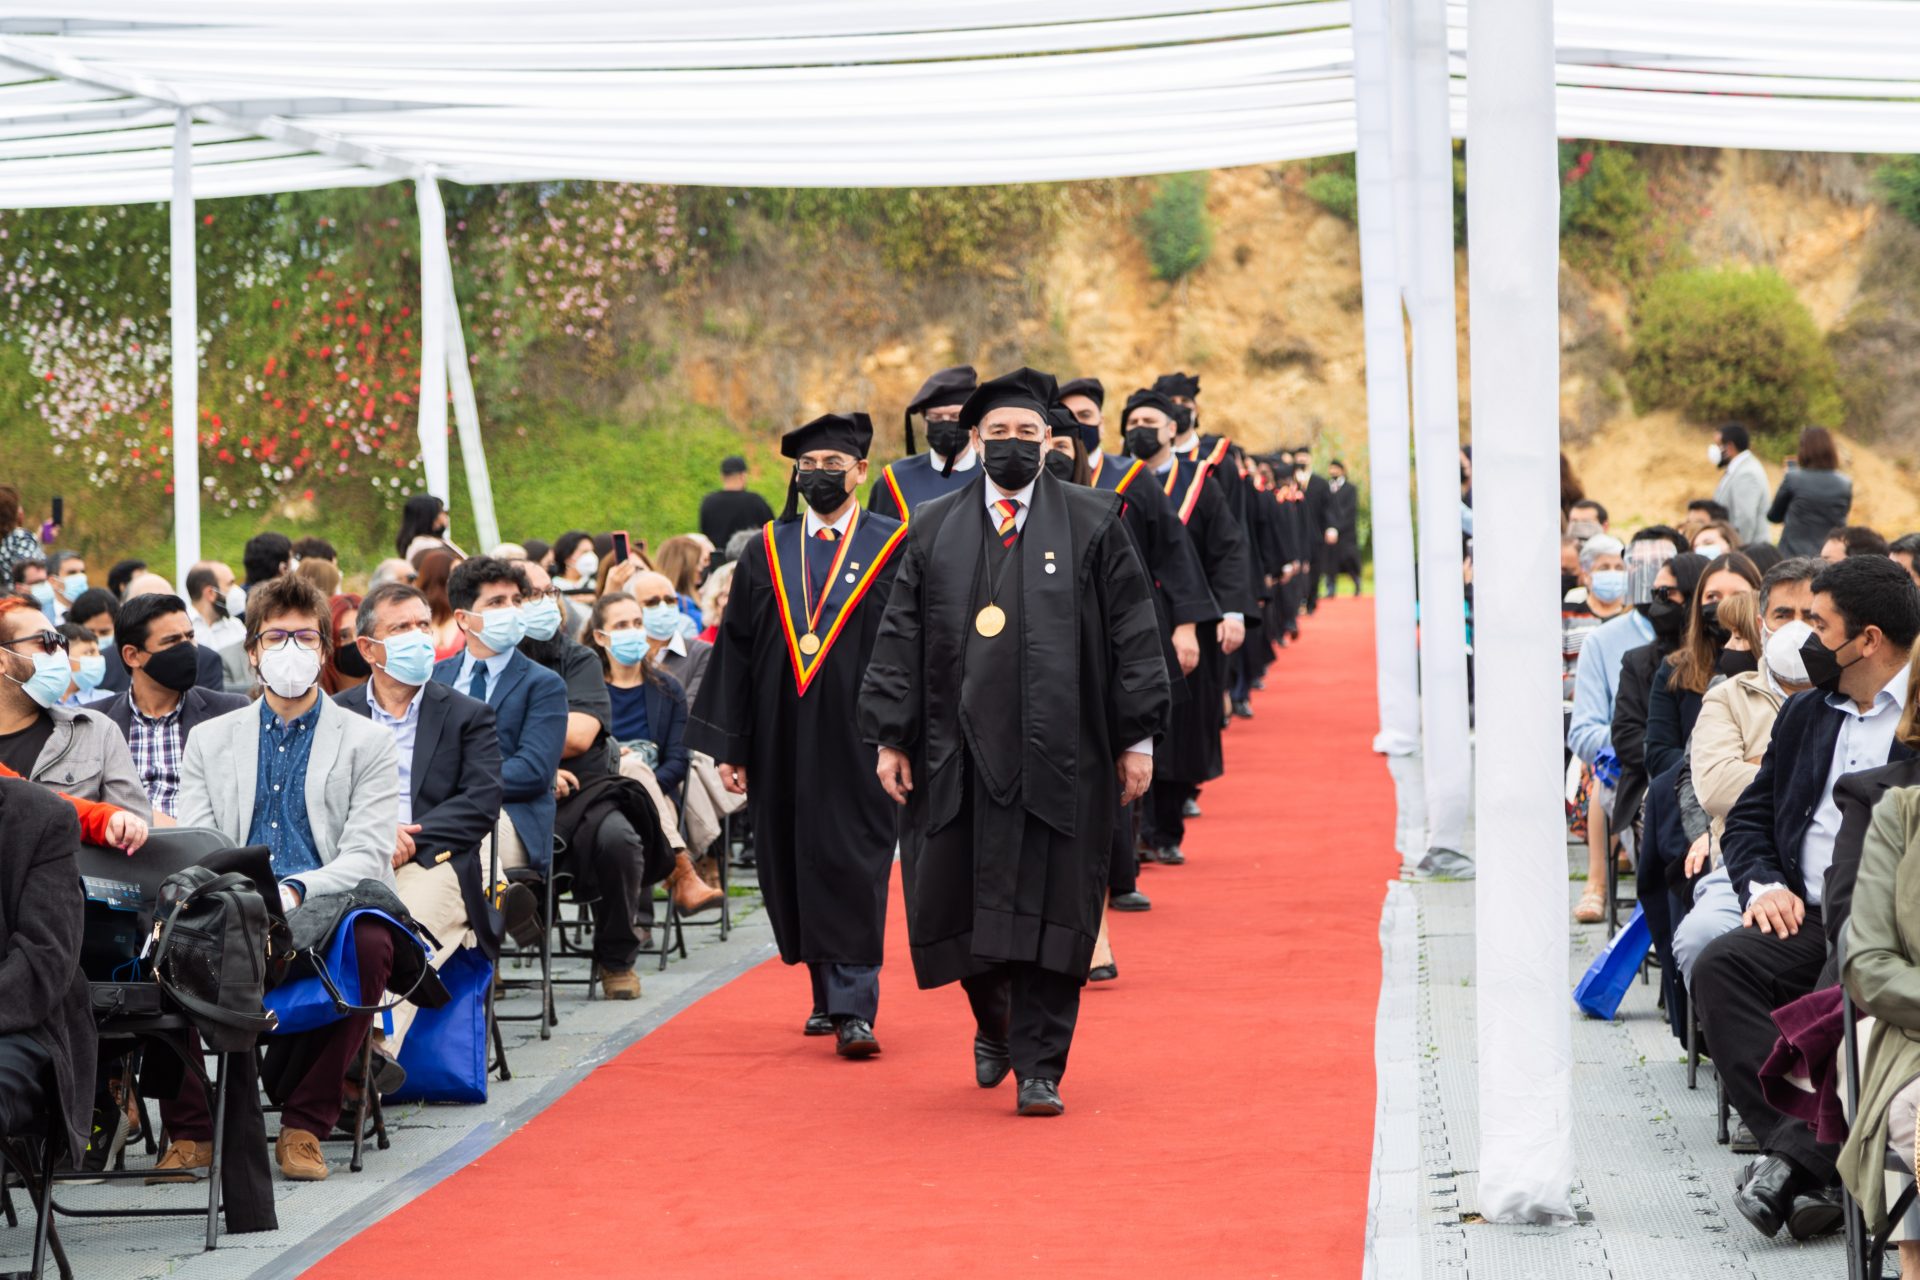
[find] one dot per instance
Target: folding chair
(548, 1016)
(34, 1157)
(368, 1111)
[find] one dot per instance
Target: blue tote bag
(445, 1053)
(332, 990)
(1606, 981)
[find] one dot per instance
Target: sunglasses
(49, 642)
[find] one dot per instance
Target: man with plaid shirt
(162, 704)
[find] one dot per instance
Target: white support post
(1396, 656)
(185, 356)
(466, 412)
(1525, 1039)
(1446, 759)
(433, 337)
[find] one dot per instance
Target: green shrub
(1337, 193)
(918, 229)
(1898, 181)
(1605, 209)
(1175, 227)
(1726, 343)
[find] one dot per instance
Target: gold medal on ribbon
(810, 644)
(990, 621)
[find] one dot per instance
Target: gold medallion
(990, 621)
(809, 644)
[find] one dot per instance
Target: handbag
(212, 955)
(325, 986)
(445, 1052)
(1600, 991)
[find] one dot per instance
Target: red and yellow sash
(805, 667)
(893, 486)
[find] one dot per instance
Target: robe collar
(857, 559)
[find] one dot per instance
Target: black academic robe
(822, 827)
(1004, 840)
(1192, 750)
(905, 486)
(1343, 515)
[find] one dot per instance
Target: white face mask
(1715, 454)
(237, 602)
(1783, 652)
(584, 566)
(290, 671)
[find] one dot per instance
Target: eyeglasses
(277, 639)
(551, 593)
(809, 467)
(49, 642)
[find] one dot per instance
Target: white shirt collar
(815, 524)
(1894, 689)
(1191, 446)
(677, 645)
(1022, 496)
(965, 462)
(412, 711)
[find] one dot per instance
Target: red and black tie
(1006, 520)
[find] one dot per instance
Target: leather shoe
(1169, 855)
(1135, 901)
(520, 915)
(854, 1039)
(1040, 1098)
(1243, 709)
(818, 1024)
(1765, 1194)
(1189, 808)
(1815, 1213)
(991, 1062)
(1103, 973)
(1742, 1142)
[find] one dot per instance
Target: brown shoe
(620, 984)
(690, 893)
(181, 1157)
(299, 1155)
(708, 870)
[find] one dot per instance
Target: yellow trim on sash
(804, 670)
(899, 498)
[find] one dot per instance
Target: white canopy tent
(114, 101)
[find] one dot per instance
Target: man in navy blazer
(529, 702)
(449, 758)
(1779, 845)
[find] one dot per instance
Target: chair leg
(360, 1109)
(726, 887)
(499, 1043)
(1721, 1134)
(1693, 1048)
(1613, 889)
(6, 1191)
(550, 1018)
(219, 1148)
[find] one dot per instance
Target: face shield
(1643, 565)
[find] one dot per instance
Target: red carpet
(1219, 1101)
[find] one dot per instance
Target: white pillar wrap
(1446, 759)
(186, 356)
(433, 337)
(1396, 657)
(466, 414)
(1525, 1040)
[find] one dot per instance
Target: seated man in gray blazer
(319, 787)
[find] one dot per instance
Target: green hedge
(1175, 227)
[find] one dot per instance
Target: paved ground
(1654, 1190)
(428, 1141)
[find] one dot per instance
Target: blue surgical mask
(501, 628)
(75, 583)
(1608, 585)
(627, 647)
(89, 672)
(541, 618)
(409, 657)
(42, 593)
(661, 621)
(52, 673)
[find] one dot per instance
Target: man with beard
(950, 459)
(776, 712)
(1191, 755)
(1013, 695)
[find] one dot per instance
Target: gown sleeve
(890, 704)
(721, 723)
(1138, 690)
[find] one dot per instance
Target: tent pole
(1446, 759)
(433, 337)
(185, 355)
(1525, 1036)
(1396, 657)
(466, 412)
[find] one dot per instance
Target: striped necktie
(828, 534)
(1006, 520)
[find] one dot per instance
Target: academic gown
(907, 485)
(1180, 590)
(822, 826)
(1004, 840)
(1191, 752)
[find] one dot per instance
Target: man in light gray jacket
(1743, 488)
(320, 788)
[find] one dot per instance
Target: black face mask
(1710, 619)
(1012, 464)
(1733, 662)
(1090, 436)
(175, 668)
(948, 439)
(1667, 619)
(350, 662)
(1568, 581)
(1824, 667)
(1143, 442)
(1060, 464)
(825, 491)
(439, 531)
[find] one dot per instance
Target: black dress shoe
(819, 1024)
(1815, 1213)
(1169, 855)
(855, 1039)
(1103, 973)
(1244, 709)
(1189, 808)
(1765, 1194)
(991, 1062)
(1040, 1098)
(1742, 1142)
(1135, 901)
(1261, 683)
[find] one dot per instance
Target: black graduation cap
(1150, 398)
(1177, 384)
(949, 386)
(1024, 388)
(1088, 387)
(1061, 422)
(847, 432)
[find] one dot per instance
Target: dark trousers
(305, 1073)
(1163, 821)
(28, 1099)
(1031, 1010)
(1123, 864)
(1738, 981)
(620, 875)
(844, 991)
(1240, 672)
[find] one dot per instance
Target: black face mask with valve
(825, 491)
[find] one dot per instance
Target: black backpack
(216, 944)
